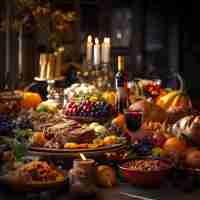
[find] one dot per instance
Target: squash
(151, 112)
(176, 100)
(188, 126)
(30, 100)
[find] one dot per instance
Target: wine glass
(133, 120)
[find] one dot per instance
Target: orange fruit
(175, 146)
(192, 158)
(106, 176)
(39, 138)
(119, 121)
(31, 100)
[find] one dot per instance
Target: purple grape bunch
(23, 123)
(143, 147)
(6, 125)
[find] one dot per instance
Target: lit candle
(82, 178)
(89, 49)
(96, 52)
(84, 163)
(105, 51)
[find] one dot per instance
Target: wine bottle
(121, 86)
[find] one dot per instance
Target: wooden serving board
(89, 119)
(41, 151)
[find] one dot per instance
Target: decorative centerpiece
(85, 101)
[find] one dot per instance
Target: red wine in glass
(133, 120)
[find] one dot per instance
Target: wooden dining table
(123, 191)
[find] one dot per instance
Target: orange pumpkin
(175, 100)
(30, 100)
(175, 146)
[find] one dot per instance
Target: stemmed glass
(133, 120)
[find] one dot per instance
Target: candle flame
(107, 40)
(61, 49)
(96, 41)
(82, 156)
(89, 39)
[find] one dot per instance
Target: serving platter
(89, 119)
(41, 151)
(13, 183)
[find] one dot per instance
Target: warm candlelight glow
(89, 48)
(82, 156)
(61, 49)
(89, 39)
(96, 52)
(106, 40)
(96, 41)
(105, 51)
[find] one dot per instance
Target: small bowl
(152, 178)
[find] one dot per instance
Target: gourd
(175, 100)
(188, 126)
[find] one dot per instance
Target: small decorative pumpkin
(30, 100)
(188, 126)
(151, 112)
(175, 100)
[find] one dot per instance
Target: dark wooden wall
(2, 50)
(162, 37)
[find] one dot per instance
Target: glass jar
(81, 178)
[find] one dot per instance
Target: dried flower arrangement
(33, 15)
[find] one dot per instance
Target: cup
(133, 120)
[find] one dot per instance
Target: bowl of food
(34, 176)
(146, 172)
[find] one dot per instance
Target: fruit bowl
(88, 111)
(88, 119)
(147, 172)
